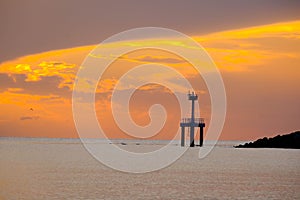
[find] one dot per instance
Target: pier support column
(192, 137)
(182, 137)
(201, 136)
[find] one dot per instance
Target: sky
(255, 45)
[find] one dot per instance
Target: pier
(192, 123)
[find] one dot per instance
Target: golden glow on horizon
(260, 51)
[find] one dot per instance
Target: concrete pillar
(201, 136)
(193, 111)
(182, 137)
(192, 143)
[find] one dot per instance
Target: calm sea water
(63, 169)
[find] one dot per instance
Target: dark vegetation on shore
(288, 141)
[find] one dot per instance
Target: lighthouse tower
(192, 123)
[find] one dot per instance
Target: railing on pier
(196, 120)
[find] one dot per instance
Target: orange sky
(259, 65)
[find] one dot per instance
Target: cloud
(47, 85)
(257, 94)
(249, 48)
(42, 32)
(52, 99)
(53, 73)
(152, 59)
(29, 118)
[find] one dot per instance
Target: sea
(42, 169)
